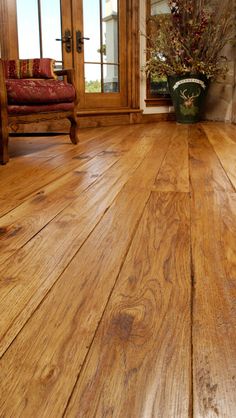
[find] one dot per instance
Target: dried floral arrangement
(191, 38)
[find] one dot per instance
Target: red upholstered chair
(31, 92)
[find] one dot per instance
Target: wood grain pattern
(35, 176)
(103, 313)
(94, 268)
(230, 130)
(49, 168)
(138, 344)
(225, 148)
(65, 234)
(214, 315)
(8, 29)
(54, 145)
(206, 171)
(22, 223)
(174, 172)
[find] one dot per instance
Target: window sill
(162, 101)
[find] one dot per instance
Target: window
(157, 88)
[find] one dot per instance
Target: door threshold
(119, 111)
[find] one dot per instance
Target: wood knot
(121, 326)
(49, 373)
(14, 231)
(3, 230)
(40, 196)
(9, 280)
(81, 157)
(107, 152)
(10, 231)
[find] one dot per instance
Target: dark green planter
(188, 93)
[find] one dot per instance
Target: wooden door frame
(8, 29)
(133, 46)
(66, 24)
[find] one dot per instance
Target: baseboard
(121, 118)
(92, 119)
(157, 117)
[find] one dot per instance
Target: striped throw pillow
(30, 68)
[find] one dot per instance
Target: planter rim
(189, 75)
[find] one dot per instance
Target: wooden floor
(118, 274)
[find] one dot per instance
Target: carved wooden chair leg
(74, 130)
(4, 156)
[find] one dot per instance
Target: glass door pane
(101, 52)
(91, 11)
(28, 29)
(111, 47)
(51, 30)
(39, 25)
(92, 78)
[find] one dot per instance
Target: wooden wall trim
(8, 29)
(165, 101)
(92, 121)
(133, 51)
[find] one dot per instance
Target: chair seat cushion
(36, 92)
(33, 109)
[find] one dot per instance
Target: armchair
(31, 92)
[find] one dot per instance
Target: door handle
(80, 41)
(67, 40)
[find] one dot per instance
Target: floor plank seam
(192, 301)
(192, 284)
(107, 303)
(219, 160)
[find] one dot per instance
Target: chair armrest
(3, 117)
(70, 74)
(3, 91)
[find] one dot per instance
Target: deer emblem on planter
(188, 99)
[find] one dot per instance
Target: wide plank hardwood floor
(118, 274)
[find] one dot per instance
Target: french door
(99, 52)
(88, 35)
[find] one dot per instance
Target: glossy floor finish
(118, 274)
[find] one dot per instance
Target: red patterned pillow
(30, 68)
